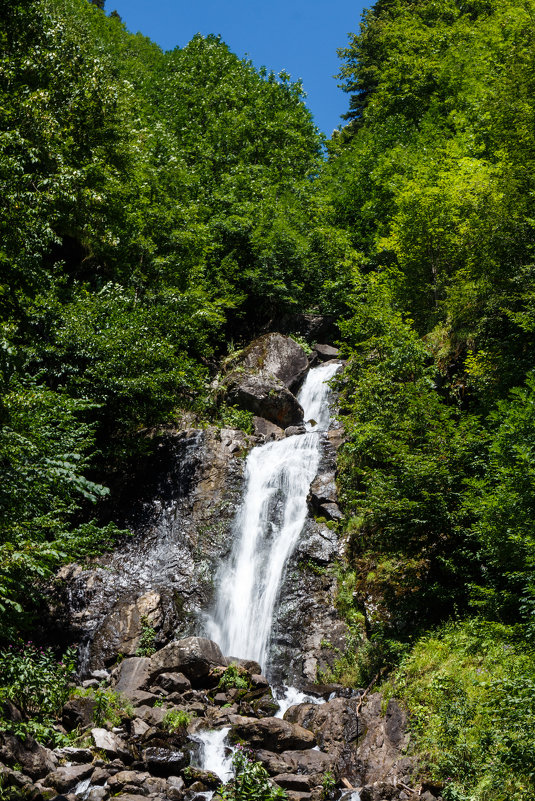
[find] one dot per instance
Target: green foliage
(251, 781)
(234, 677)
(232, 417)
(151, 201)
(470, 690)
(146, 645)
(328, 784)
(176, 719)
(110, 707)
(38, 685)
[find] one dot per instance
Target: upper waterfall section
(268, 526)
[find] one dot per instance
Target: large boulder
(67, 777)
(278, 356)
(132, 675)
(34, 759)
(192, 656)
(265, 396)
(272, 734)
(263, 377)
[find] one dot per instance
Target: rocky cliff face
(161, 577)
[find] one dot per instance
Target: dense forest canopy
(157, 206)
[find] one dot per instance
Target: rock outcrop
(262, 379)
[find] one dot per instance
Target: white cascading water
(214, 754)
(267, 528)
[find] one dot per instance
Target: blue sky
(300, 36)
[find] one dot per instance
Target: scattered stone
(72, 754)
(109, 742)
(132, 675)
(265, 397)
(272, 734)
(97, 794)
(247, 664)
(90, 684)
(331, 511)
(124, 777)
(292, 431)
(34, 759)
(291, 781)
(326, 352)
(151, 715)
(268, 431)
(174, 682)
(138, 727)
(78, 713)
(67, 777)
(192, 656)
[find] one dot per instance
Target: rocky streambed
(187, 689)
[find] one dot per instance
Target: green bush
(234, 676)
(38, 685)
(176, 719)
(470, 689)
(251, 781)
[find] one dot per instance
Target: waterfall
(267, 527)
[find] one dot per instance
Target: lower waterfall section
(268, 526)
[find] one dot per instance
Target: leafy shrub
(176, 719)
(234, 676)
(110, 707)
(232, 417)
(146, 645)
(38, 685)
(471, 691)
(251, 781)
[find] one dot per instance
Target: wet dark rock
(262, 376)
(326, 352)
(171, 557)
(292, 431)
(174, 682)
(322, 490)
(331, 511)
(34, 759)
(78, 713)
(395, 723)
(192, 656)
(165, 762)
(252, 667)
(257, 680)
(207, 777)
(67, 777)
(10, 712)
(272, 734)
